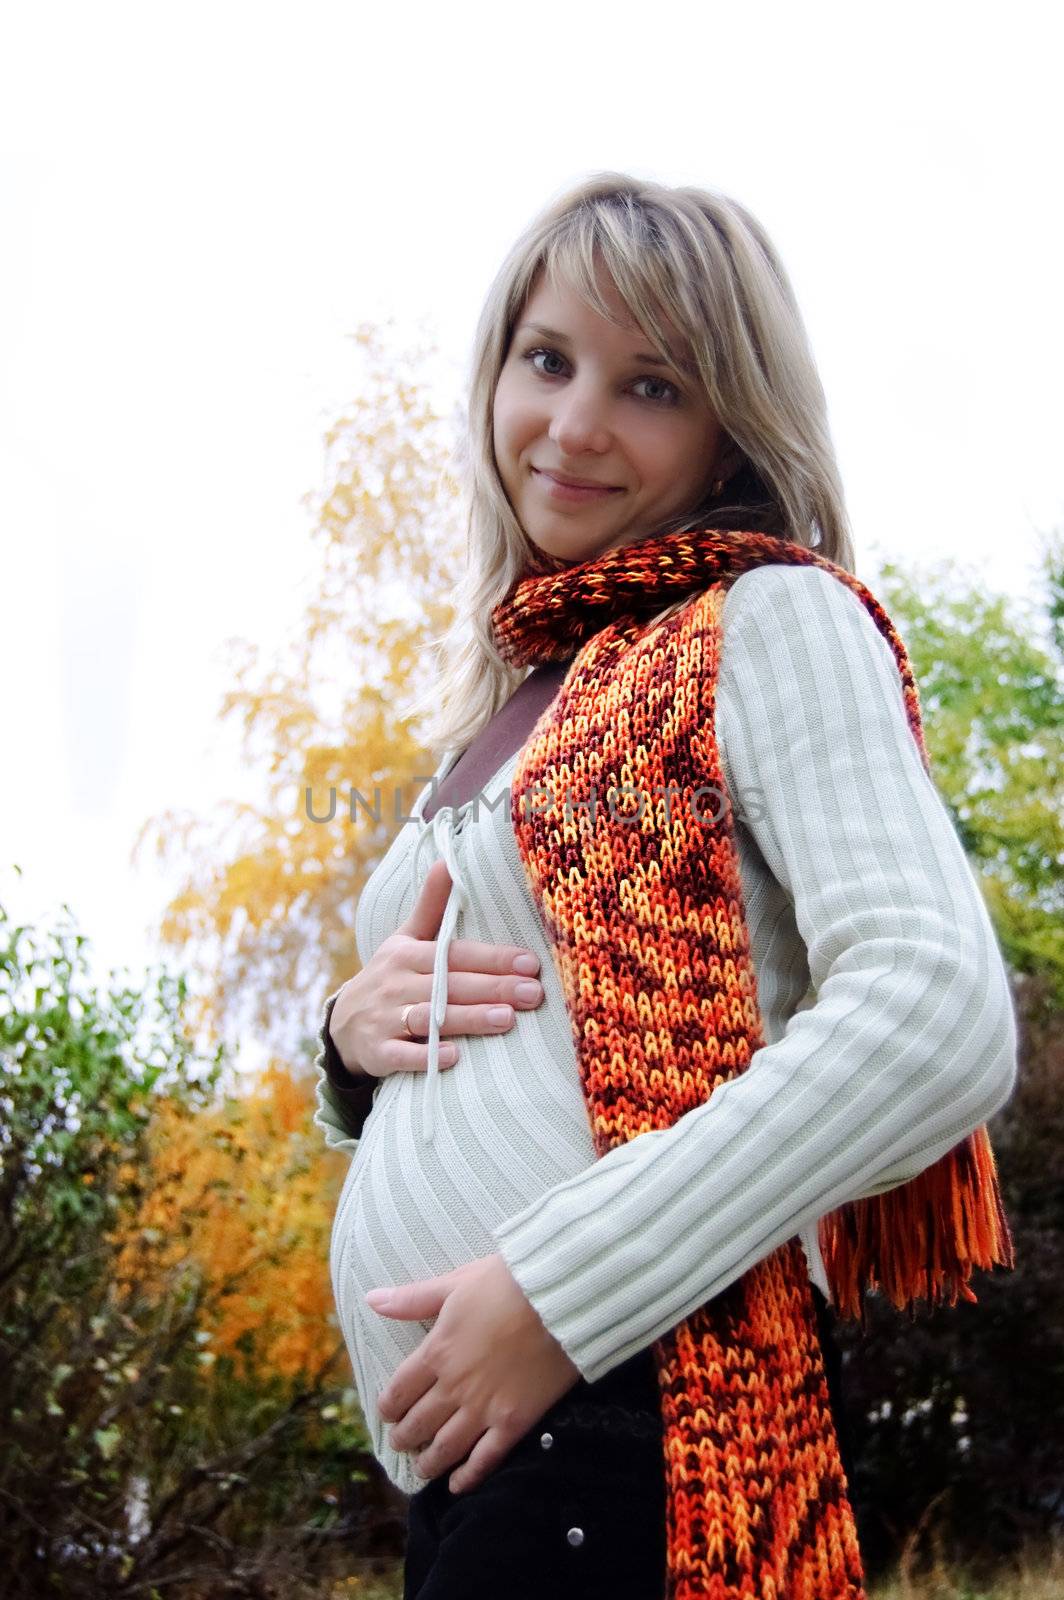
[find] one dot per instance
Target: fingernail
(447, 1052)
(378, 1297)
(526, 964)
(499, 1016)
(526, 991)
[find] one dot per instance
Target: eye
(671, 397)
(530, 357)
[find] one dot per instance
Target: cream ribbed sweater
(888, 1018)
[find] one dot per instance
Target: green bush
(131, 1460)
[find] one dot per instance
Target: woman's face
(579, 397)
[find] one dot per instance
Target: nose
(580, 422)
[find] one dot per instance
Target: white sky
(200, 202)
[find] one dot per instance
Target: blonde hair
(702, 261)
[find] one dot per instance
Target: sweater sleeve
(343, 1101)
(908, 1046)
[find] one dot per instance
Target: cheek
(502, 415)
(515, 425)
(687, 458)
(665, 455)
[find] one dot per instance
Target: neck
(548, 617)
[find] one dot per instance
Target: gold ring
(417, 1037)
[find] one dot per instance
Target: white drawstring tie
(442, 829)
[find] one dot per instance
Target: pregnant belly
(410, 1210)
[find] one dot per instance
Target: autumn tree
(266, 909)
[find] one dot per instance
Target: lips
(573, 483)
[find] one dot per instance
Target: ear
(729, 458)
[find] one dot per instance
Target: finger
(472, 955)
(400, 1055)
(475, 955)
(452, 1445)
(487, 1454)
(466, 988)
(414, 1378)
(424, 920)
(411, 1301)
(423, 1421)
(495, 1014)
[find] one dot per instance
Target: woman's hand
(485, 982)
(483, 1375)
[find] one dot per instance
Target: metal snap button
(546, 1440)
(575, 1536)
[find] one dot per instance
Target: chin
(570, 552)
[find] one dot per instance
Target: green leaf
(108, 1440)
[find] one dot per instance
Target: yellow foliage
(264, 883)
(246, 1192)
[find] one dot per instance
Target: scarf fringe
(921, 1239)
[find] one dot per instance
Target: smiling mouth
(577, 485)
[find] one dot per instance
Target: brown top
(499, 739)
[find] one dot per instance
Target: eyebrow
(646, 358)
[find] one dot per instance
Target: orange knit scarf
(643, 905)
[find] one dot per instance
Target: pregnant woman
(679, 1014)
